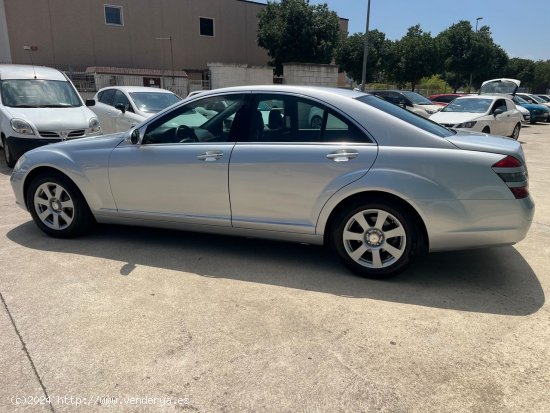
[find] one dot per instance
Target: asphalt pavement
(144, 320)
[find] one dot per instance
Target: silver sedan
(377, 183)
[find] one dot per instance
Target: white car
(39, 105)
(412, 101)
(496, 115)
(119, 108)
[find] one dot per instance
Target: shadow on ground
(494, 281)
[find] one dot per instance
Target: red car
(445, 98)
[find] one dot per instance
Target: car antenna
(29, 48)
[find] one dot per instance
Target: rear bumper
(477, 223)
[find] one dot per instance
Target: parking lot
(135, 319)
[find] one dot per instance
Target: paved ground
(238, 325)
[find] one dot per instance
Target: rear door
(104, 110)
(283, 175)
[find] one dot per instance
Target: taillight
(514, 174)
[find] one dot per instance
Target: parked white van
(39, 106)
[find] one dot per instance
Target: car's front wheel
(7, 153)
(57, 206)
(376, 240)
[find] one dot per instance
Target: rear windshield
(407, 116)
(153, 102)
(36, 93)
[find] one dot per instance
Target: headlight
(19, 163)
(94, 125)
(22, 127)
(466, 125)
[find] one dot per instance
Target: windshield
(545, 98)
(537, 99)
(33, 93)
(152, 102)
(472, 105)
(407, 116)
(519, 100)
(416, 98)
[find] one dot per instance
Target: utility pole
(169, 38)
(471, 74)
(366, 51)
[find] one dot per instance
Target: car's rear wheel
(515, 133)
(58, 207)
(7, 153)
(376, 240)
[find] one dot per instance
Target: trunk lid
(487, 143)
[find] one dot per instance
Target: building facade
(132, 33)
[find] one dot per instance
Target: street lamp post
(471, 75)
(366, 51)
(169, 38)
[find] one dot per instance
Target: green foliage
(413, 57)
(434, 82)
(521, 69)
(466, 52)
(295, 31)
(541, 82)
(349, 55)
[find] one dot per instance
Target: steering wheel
(185, 134)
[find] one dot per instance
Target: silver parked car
(376, 182)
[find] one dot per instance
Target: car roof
(131, 89)
(313, 91)
(30, 72)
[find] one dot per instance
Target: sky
(521, 28)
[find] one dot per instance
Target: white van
(38, 106)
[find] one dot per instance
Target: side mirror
(134, 136)
(90, 102)
(121, 107)
(498, 111)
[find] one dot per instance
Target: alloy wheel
(374, 238)
(54, 206)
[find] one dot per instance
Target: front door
(179, 172)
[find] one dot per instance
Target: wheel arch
(41, 170)
(370, 196)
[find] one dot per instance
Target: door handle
(210, 156)
(342, 155)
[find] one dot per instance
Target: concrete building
(132, 33)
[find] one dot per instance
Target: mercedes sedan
(377, 183)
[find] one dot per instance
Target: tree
(295, 31)
(541, 82)
(349, 55)
(521, 69)
(468, 53)
(413, 57)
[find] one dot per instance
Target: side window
(284, 118)
(107, 97)
(499, 104)
(121, 99)
(212, 119)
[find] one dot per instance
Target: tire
(8, 157)
(359, 237)
(532, 121)
(316, 122)
(58, 207)
(515, 133)
(486, 129)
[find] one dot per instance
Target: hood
(533, 106)
(53, 119)
(472, 141)
(84, 144)
(500, 86)
(455, 117)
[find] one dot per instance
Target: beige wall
(5, 52)
(73, 32)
